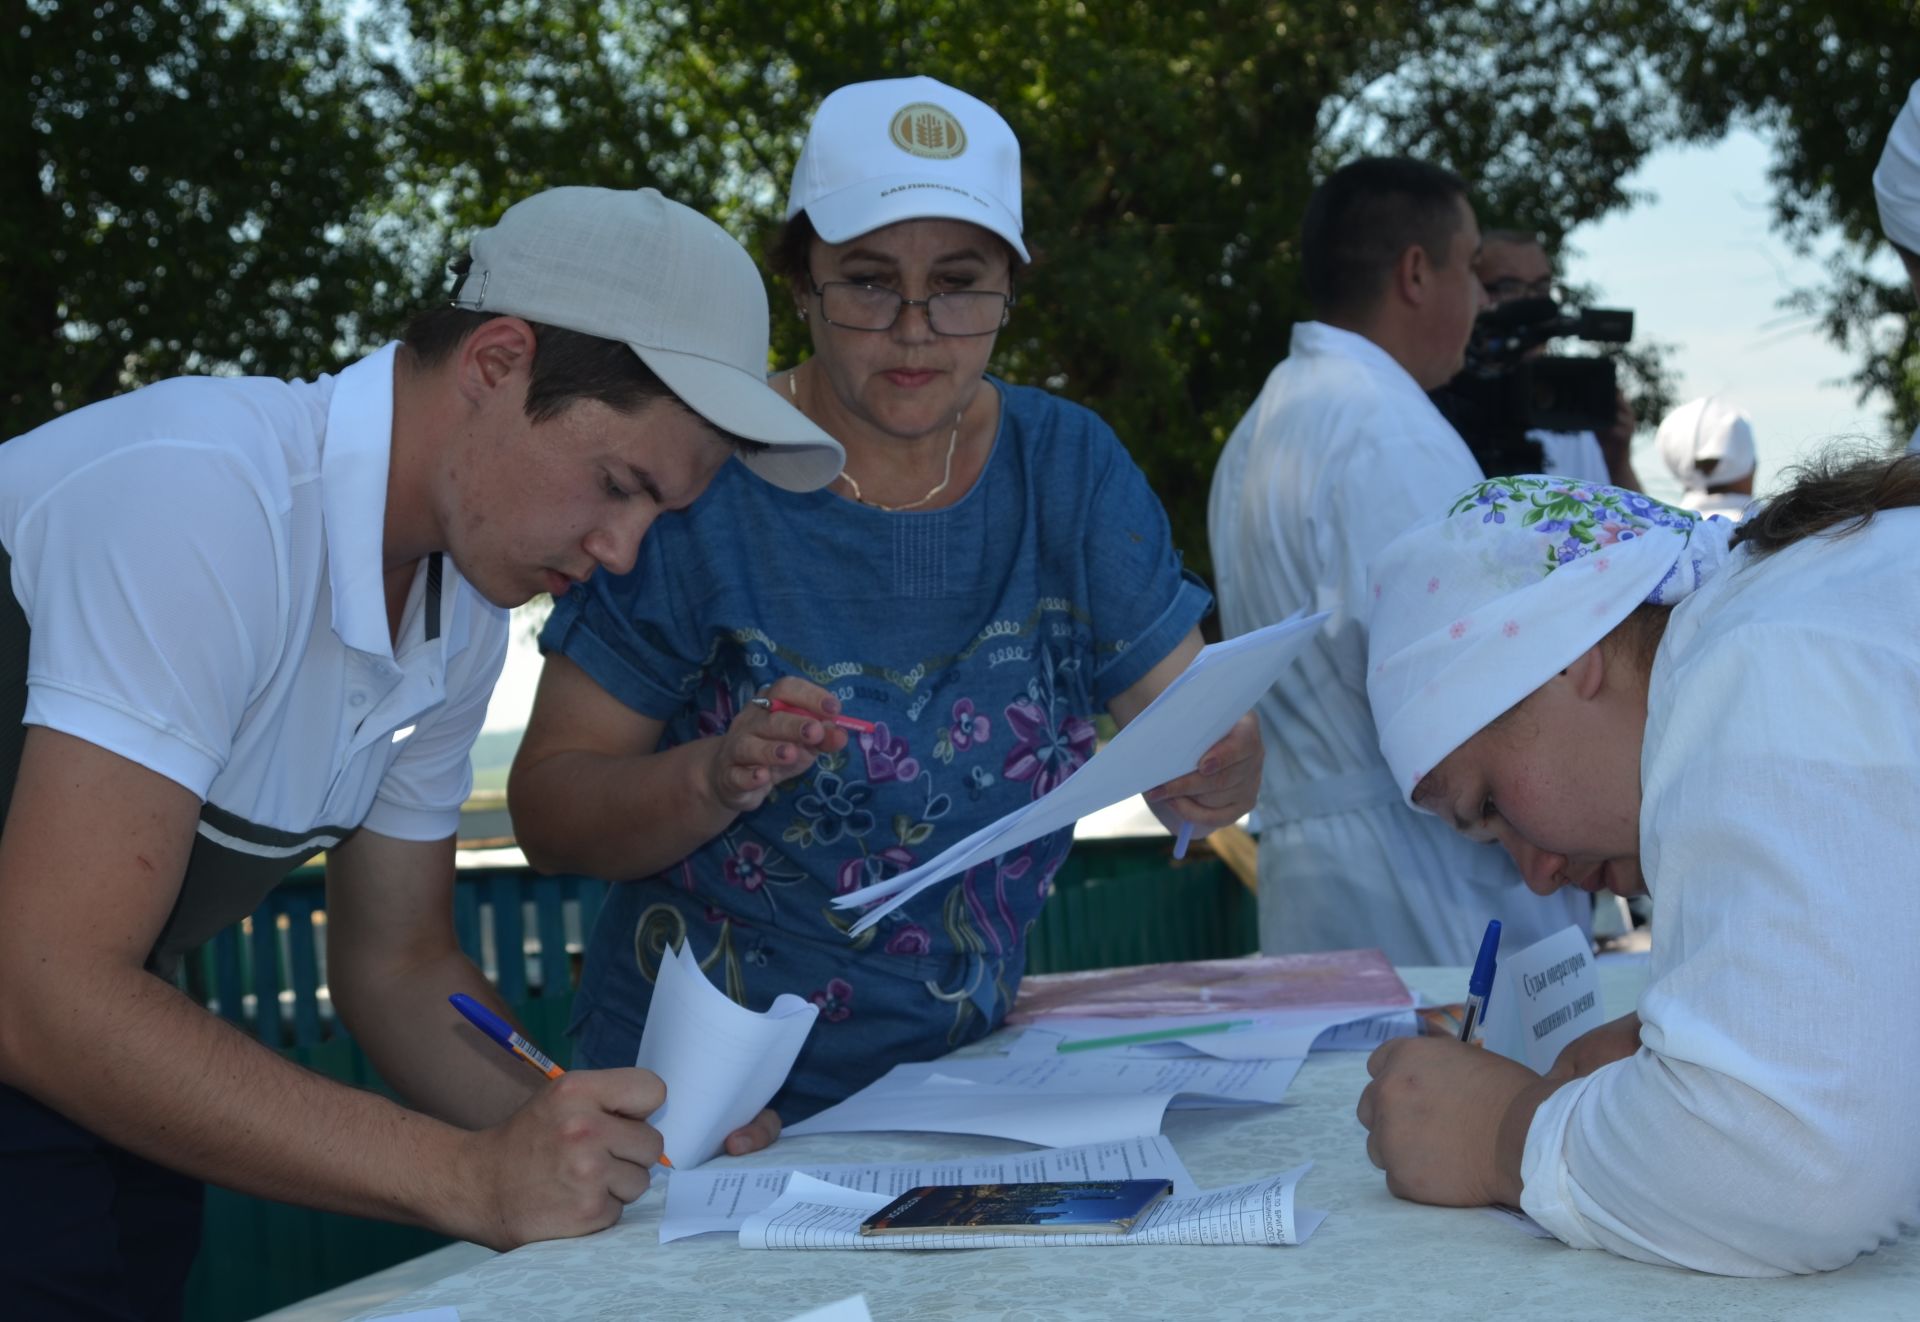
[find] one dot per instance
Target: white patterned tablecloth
(1376, 1257)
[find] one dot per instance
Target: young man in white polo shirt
(249, 619)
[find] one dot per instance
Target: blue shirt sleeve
(1143, 602)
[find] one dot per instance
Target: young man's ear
(491, 355)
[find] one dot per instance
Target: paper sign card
(1543, 998)
(721, 1062)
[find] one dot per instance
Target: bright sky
(1702, 270)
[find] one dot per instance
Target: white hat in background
(1896, 181)
(1706, 442)
(907, 149)
(672, 286)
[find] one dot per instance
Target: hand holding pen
(774, 738)
(565, 1163)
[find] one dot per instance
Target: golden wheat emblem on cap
(927, 130)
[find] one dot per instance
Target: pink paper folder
(1216, 987)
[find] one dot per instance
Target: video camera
(1501, 394)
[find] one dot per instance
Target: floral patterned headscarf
(1473, 613)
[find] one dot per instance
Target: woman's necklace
(946, 475)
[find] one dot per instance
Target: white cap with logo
(1706, 442)
(672, 286)
(907, 149)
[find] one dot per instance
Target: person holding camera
(1341, 453)
(1535, 425)
(1514, 266)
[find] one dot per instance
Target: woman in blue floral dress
(988, 574)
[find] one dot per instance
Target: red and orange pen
(853, 723)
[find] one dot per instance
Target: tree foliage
(209, 185)
(187, 184)
(1824, 81)
(1168, 149)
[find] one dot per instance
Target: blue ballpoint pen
(502, 1032)
(1480, 985)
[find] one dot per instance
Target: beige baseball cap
(632, 266)
(907, 149)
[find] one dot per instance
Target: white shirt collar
(353, 477)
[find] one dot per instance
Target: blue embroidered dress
(982, 639)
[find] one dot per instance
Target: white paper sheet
(1543, 998)
(1266, 1036)
(1054, 1101)
(721, 1062)
(1052, 1121)
(1194, 1081)
(812, 1214)
(720, 1199)
(1163, 743)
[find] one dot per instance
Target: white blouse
(1766, 1124)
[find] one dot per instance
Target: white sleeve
(421, 794)
(154, 622)
(1765, 1126)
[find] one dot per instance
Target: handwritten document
(721, 1198)
(812, 1214)
(721, 1062)
(1162, 743)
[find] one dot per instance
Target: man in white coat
(1340, 454)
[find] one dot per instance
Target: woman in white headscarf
(1609, 686)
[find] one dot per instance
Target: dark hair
(568, 365)
(1360, 220)
(1831, 496)
(792, 247)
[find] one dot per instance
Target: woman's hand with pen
(763, 747)
(1448, 1121)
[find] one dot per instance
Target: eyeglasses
(875, 308)
(1509, 287)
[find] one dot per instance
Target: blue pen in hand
(1183, 839)
(1480, 985)
(502, 1032)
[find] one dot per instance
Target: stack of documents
(812, 1214)
(719, 1199)
(1258, 1008)
(1049, 1101)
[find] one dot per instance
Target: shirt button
(357, 700)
